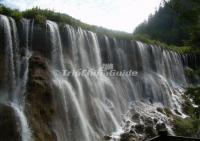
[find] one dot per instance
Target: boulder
(139, 128)
(161, 127)
(127, 137)
(9, 124)
(150, 132)
(107, 138)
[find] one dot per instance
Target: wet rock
(161, 127)
(107, 138)
(159, 109)
(136, 117)
(39, 99)
(163, 133)
(139, 128)
(149, 122)
(132, 131)
(127, 137)
(142, 118)
(150, 132)
(177, 112)
(127, 124)
(9, 124)
(168, 112)
(155, 120)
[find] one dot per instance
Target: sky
(123, 15)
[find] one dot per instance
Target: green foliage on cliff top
(176, 22)
(9, 12)
(41, 16)
(147, 39)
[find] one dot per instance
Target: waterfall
(10, 75)
(25, 133)
(56, 45)
(24, 60)
(13, 63)
(89, 106)
(105, 97)
(74, 94)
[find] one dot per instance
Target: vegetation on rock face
(191, 125)
(193, 75)
(194, 94)
(186, 127)
(147, 39)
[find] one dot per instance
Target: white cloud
(122, 15)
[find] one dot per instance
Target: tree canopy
(175, 22)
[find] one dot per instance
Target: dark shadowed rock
(150, 132)
(149, 122)
(161, 127)
(139, 128)
(177, 112)
(136, 117)
(9, 124)
(127, 137)
(107, 138)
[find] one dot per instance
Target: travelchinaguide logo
(105, 70)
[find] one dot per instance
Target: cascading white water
(24, 62)
(13, 68)
(10, 76)
(91, 106)
(98, 102)
(73, 95)
(25, 131)
(56, 45)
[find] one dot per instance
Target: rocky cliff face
(39, 99)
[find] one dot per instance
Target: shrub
(16, 15)
(194, 93)
(5, 11)
(186, 127)
(40, 19)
